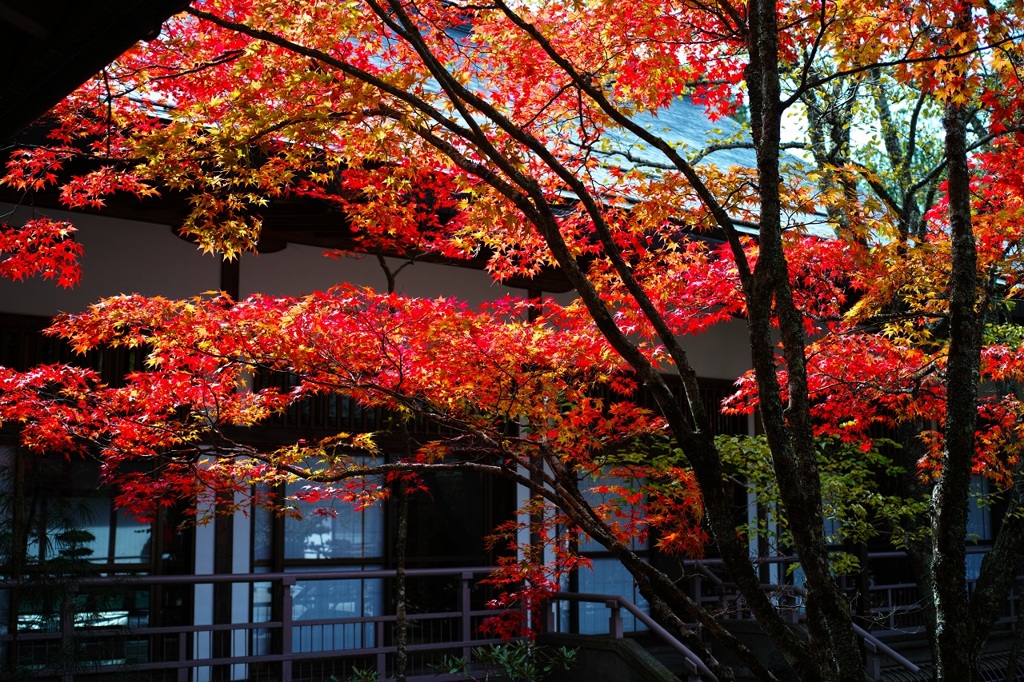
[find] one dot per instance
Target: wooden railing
(276, 638)
(696, 668)
(275, 641)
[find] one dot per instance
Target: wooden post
(286, 628)
(615, 619)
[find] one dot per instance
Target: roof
(687, 127)
(50, 47)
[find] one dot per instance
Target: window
(979, 525)
(349, 534)
(607, 575)
(347, 540)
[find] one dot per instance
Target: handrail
(872, 643)
(286, 624)
(614, 602)
(121, 580)
(286, 580)
(708, 573)
(877, 646)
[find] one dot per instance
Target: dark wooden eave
(50, 47)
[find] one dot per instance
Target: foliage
(531, 137)
(857, 509)
(520, 661)
(40, 247)
(360, 675)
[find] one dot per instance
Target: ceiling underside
(50, 47)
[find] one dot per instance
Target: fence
(290, 627)
(275, 639)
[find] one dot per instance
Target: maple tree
(531, 134)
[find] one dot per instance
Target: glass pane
(76, 528)
(979, 519)
(262, 612)
(449, 522)
(132, 540)
(336, 600)
(608, 577)
(87, 536)
(979, 524)
(5, 618)
(350, 534)
(262, 534)
(595, 498)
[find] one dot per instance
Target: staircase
(668, 657)
(993, 664)
(895, 649)
(913, 646)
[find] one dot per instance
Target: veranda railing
(268, 638)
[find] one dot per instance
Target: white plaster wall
(299, 270)
(203, 594)
(720, 352)
(120, 257)
(241, 595)
(131, 257)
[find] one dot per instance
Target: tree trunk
(832, 642)
(957, 643)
